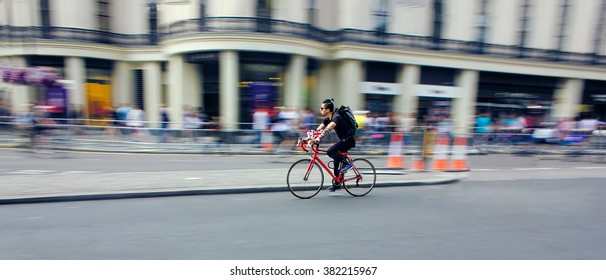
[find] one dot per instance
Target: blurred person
(407, 125)
(517, 123)
(191, 123)
(121, 114)
(135, 121)
(483, 128)
(115, 124)
(74, 118)
(588, 124)
(205, 122)
(443, 125)
(347, 141)
(374, 129)
(408, 122)
(483, 123)
(164, 122)
(285, 129)
(5, 116)
(307, 119)
(261, 122)
(41, 124)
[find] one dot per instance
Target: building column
(350, 75)
(122, 84)
(228, 90)
(406, 102)
(76, 73)
(326, 84)
(567, 99)
(193, 86)
(464, 106)
(176, 90)
(295, 82)
(21, 96)
(152, 92)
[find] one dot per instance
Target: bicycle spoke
(303, 181)
(361, 178)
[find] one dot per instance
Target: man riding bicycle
(346, 137)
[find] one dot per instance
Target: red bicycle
(305, 177)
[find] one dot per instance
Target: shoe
(346, 167)
(334, 188)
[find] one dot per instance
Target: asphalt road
(509, 208)
(522, 219)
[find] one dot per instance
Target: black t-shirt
(341, 129)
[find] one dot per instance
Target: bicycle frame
(315, 148)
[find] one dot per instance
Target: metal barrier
(415, 141)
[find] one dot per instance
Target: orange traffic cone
(394, 156)
(459, 155)
(440, 154)
(417, 163)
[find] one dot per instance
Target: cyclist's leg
(333, 152)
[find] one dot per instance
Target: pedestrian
(191, 123)
(134, 120)
(74, 118)
(260, 123)
(121, 114)
(164, 122)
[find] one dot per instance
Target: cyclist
(333, 121)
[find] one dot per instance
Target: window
(103, 15)
(380, 13)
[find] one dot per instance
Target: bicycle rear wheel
(305, 181)
(361, 178)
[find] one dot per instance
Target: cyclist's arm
(330, 126)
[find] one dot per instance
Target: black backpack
(350, 120)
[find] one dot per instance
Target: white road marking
(590, 167)
(536, 168)
(79, 172)
(31, 172)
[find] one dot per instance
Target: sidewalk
(74, 186)
(95, 186)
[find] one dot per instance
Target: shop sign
(173, 1)
(516, 95)
(380, 88)
(33, 76)
(598, 98)
(202, 57)
(436, 91)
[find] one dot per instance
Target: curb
(242, 190)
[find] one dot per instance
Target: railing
(574, 143)
(230, 25)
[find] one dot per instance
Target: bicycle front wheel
(361, 178)
(305, 180)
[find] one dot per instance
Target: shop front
(594, 100)
(506, 96)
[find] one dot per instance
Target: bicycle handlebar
(307, 142)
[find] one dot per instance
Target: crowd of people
(488, 128)
(286, 124)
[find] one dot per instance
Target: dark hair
(328, 103)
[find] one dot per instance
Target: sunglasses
(322, 108)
